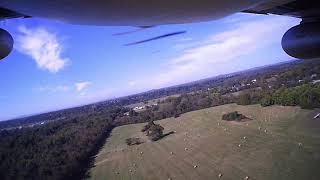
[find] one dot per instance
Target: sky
(55, 65)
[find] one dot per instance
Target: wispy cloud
(43, 47)
(185, 39)
(132, 83)
(80, 86)
(54, 89)
(3, 97)
(244, 38)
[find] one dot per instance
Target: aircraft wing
(126, 12)
(299, 8)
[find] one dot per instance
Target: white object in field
(316, 116)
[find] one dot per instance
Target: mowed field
(278, 143)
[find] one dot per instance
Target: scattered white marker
(220, 175)
(171, 153)
(265, 131)
(247, 177)
(239, 145)
(300, 144)
(186, 149)
(195, 166)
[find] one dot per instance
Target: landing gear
(6, 43)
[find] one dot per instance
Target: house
(139, 108)
(316, 81)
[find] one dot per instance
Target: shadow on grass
(167, 134)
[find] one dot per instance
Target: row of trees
(57, 150)
(306, 96)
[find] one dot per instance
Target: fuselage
(129, 12)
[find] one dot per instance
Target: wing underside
(304, 9)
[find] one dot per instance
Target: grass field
(278, 143)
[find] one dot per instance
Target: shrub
(153, 131)
(267, 100)
(133, 141)
(244, 99)
(233, 116)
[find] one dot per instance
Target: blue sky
(56, 65)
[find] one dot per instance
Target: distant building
(316, 81)
(139, 108)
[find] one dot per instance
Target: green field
(278, 143)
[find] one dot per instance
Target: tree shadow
(167, 134)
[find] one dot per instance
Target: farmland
(278, 143)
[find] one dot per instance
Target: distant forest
(63, 146)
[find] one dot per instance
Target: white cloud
(244, 38)
(3, 97)
(42, 46)
(132, 83)
(80, 86)
(59, 88)
(185, 39)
